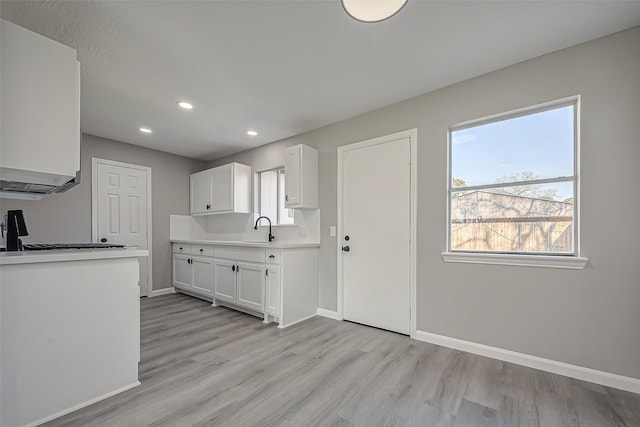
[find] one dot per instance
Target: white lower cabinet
(251, 281)
(202, 269)
(240, 282)
(279, 284)
(274, 279)
(181, 271)
(193, 273)
(224, 279)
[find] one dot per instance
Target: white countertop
(57, 255)
(274, 245)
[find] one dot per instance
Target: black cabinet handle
(237, 268)
(346, 248)
(233, 268)
(286, 198)
(266, 272)
(103, 240)
(208, 207)
(272, 256)
(201, 250)
(346, 238)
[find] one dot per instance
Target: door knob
(103, 240)
(346, 248)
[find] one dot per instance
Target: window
(512, 183)
(271, 184)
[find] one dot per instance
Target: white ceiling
(287, 67)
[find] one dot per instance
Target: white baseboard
(162, 292)
(82, 405)
(281, 326)
(329, 313)
(586, 374)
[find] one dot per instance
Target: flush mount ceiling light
(372, 10)
(252, 133)
(185, 105)
(145, 130)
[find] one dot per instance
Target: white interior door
(375, 226)
(121, 203)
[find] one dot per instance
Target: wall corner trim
(329, 313)
(165, 291)
(607, 379)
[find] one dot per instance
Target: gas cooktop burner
(48, 246)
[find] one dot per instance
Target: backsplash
(235, 226)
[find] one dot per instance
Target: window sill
(548, 261)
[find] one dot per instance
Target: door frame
(94, 210)
(412, 134)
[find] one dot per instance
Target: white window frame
(278, 198)
(556, 260)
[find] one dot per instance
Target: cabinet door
(224, 280)
(222, 188)
(272, 300)
(181, 271)
(201, 192)
(251, 283)
(202, 275)
(292, 176)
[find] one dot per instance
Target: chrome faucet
(255, 227)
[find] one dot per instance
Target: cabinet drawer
(241, 254)
(181, 248)
(202, 250)
(272, 256)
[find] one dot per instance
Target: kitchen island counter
(70, 330)
(57, 255)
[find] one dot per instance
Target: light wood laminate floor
(206, 366)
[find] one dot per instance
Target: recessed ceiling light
(252, 133)
(145, 130)
(186, 105)
(372, 11)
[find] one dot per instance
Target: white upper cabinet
(301, 177)
(223, 186)
(222, 189)
(201, 193)
(40, 108)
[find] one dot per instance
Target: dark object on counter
(48, 246)
(16, 228)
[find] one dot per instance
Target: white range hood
(40, 114)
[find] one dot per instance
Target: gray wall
(66, 217)
(588, 317)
